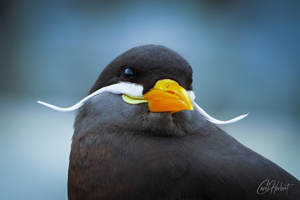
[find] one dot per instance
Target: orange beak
(166, 96)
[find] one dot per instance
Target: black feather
(122, 151)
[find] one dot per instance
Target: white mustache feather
(136, 91)
(208, 117)
(119, 88)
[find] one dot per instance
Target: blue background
(245, 56)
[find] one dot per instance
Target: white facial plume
(135, 90)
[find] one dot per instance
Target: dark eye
(128, 74)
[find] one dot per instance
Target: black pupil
(128, 72)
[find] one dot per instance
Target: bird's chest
(122, 163)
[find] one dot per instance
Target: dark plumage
(123, 151)
(150, 63)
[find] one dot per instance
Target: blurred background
(245, 56)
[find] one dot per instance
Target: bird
(140, 135)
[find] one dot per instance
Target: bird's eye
(128, 74)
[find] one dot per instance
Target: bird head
(150, 74)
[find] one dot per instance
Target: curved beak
(166, 96)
